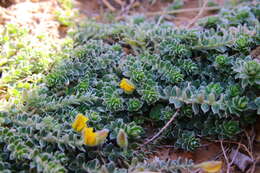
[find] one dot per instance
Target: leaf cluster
(206, 73)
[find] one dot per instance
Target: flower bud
(122, 140)
(101, 136)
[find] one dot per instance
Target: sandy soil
(37, 16)
(95, 9)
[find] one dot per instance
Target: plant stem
(202, 9)
(181, 11)
(165, 126)
(108, 5)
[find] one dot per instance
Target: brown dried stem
(194, 20)
(108, 5)
(162, 129)
(181, 11)
(229, 164)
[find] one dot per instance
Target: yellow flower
(90, 137)
(127, 86)
(80, 122)
(94, 138)
(210, 166)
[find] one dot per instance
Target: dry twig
(194, 20)
(229, 164)
(250, 140)
(238, 143)
(164, 127)
(127, 8)
(120, 2)
(108, 5)
(181, 11)
(252, 169)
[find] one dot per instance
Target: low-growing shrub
(133, 76)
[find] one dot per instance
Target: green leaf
(205, 108)
(215, 108)
(195, 108)
(211, 98)
(155, 113)
(176, 102)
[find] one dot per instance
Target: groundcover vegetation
(97, 106)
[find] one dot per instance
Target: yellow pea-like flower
(80, 122)
(210, 166)
(92, 138)
(127, 86)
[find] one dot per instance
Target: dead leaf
(241, 160)
(210, 166)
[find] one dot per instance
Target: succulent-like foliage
(187, 141)
(229, 128)
(166, 166)
(134, 105)
(206, 73)
(248, 72)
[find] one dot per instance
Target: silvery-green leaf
(184, 95)
(195, 108)
(211, 98)
(167, 91)
(215, 108)
(178, 91)
(205, 108)
(176, 102)
(244, 83)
